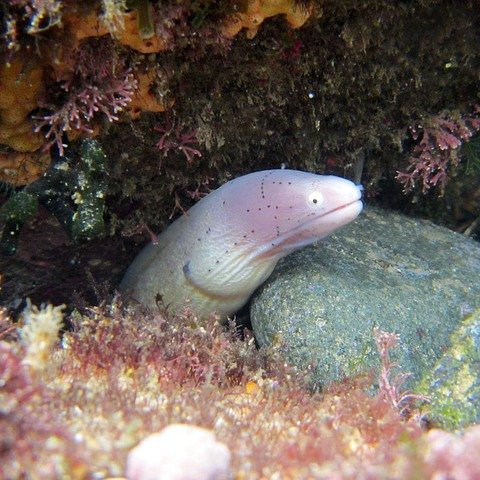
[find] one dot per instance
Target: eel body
(228, 243)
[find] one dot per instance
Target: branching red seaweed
(390, 387)
(98, 85)
(175, 138)
(437, 152)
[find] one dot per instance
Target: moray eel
(228, 243)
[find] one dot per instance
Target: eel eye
(315, 199)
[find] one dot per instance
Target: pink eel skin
(228, 243)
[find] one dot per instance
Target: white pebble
(179, 452)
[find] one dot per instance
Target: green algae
(88, 222)
(454, 384)
(71, 190)
(146, 28)
(15, 212)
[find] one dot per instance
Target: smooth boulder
(401, 274)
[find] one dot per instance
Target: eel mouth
(332, 219)
(312, 230)
(346, 205)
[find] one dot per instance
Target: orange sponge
(90, 25)
(144, 100)
(19, 168)
(20, 88)
(258, 10)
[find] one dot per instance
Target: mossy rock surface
(401, 274)
(454, 384)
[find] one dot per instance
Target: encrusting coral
(144, 100)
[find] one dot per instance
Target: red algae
(124, 373)
(34, 443)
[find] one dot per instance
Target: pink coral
(97, 85)
(438, 149)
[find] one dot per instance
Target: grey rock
(401, 274)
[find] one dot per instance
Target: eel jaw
(310, 231)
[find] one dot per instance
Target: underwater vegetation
(438, 150)
(346, 87)
(85, 96)
(75, 408)
(173, 137)
(453, 383)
